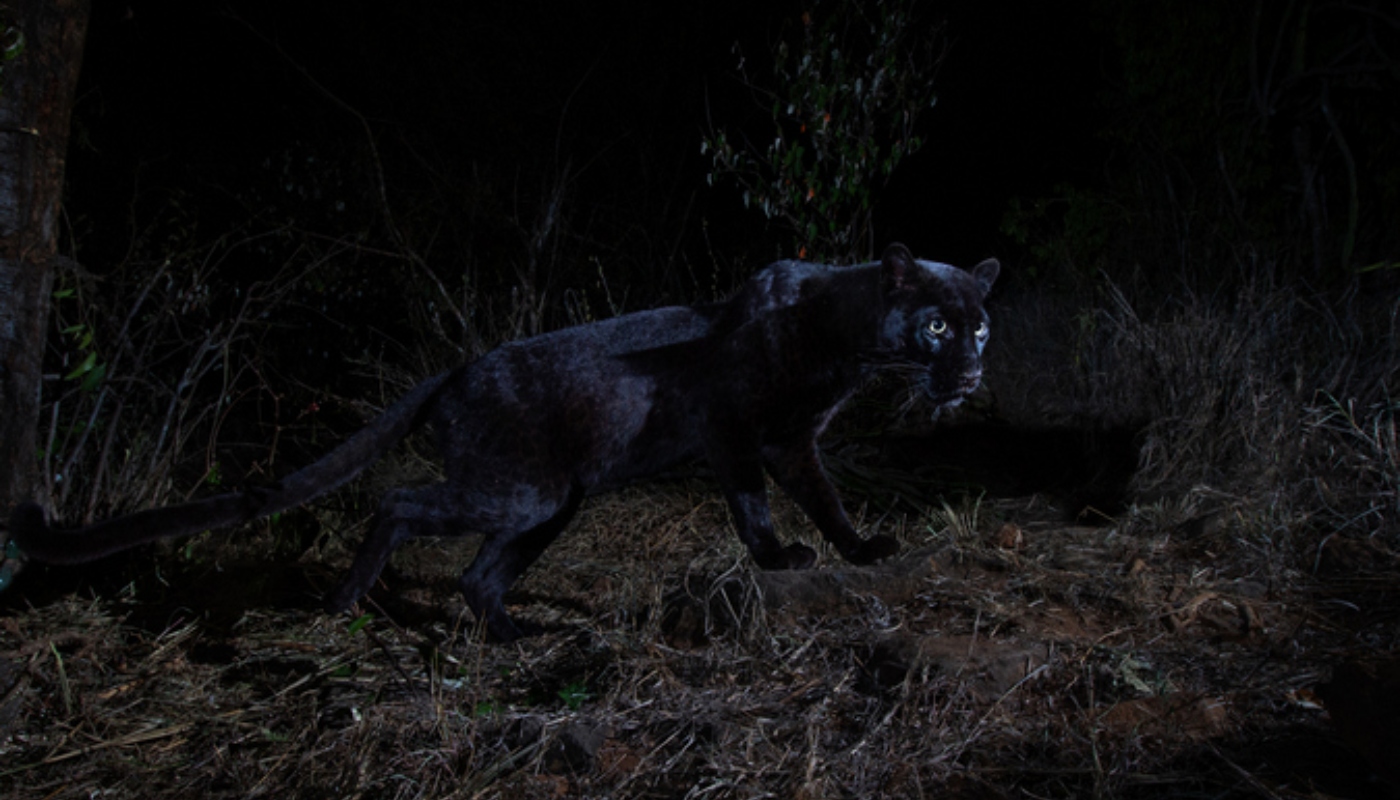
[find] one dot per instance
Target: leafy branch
(844, 100)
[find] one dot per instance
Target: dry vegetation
(1183, 645)
(1172, 653)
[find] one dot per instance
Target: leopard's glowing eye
(982, 330)
(937, 327)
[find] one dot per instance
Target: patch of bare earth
(1003, 655)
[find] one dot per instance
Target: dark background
(1194, 203)
(216, 100)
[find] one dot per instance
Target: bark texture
(35, 104)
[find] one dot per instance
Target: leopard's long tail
(30, 532)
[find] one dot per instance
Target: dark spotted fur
(532, 427)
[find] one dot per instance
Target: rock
(575, 747)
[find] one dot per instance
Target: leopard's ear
(986, 274)
(898, 266)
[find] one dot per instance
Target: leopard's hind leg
(402, 515)
(503, 558)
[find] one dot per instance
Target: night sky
(205, 98)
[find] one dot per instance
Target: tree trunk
(35, 102)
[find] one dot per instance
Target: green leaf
(83, 368)
(574, 695)
(360, 622)
(94, 378)
(14, 43)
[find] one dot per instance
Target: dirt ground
(1170, 651)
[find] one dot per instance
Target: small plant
(1138, 673)
(90, 370)
(575, 695)
(959, 524)
(12, 41)
(155, 361)
(844, 99)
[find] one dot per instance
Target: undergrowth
(1260, 393)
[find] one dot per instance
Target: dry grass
(1170, 652)
(1154, 657)
(1258, 392)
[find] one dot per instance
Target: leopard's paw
(876, 548)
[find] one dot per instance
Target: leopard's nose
(970, 380)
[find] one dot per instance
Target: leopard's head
(934, 325)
